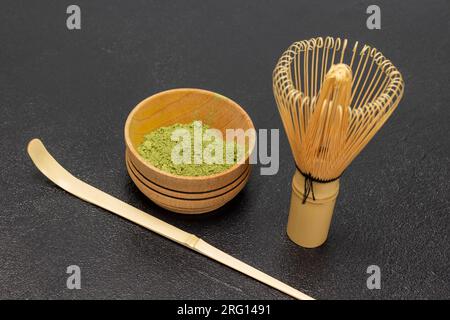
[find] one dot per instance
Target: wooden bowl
(185, 194)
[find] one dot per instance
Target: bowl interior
(184, 106)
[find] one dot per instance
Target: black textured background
(74, 89)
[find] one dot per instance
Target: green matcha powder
(158, 145)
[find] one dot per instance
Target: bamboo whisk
(330, 111)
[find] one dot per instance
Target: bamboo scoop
(61, 177)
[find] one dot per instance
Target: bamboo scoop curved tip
(61, 177)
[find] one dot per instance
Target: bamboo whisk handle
(309, 222)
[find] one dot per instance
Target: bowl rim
(131, 148)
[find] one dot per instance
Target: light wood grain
(185, 195)
(184, 106)
(189, 203)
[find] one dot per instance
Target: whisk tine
(355, 47)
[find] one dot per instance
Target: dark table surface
(74, 90)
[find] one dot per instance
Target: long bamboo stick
(64, 179)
